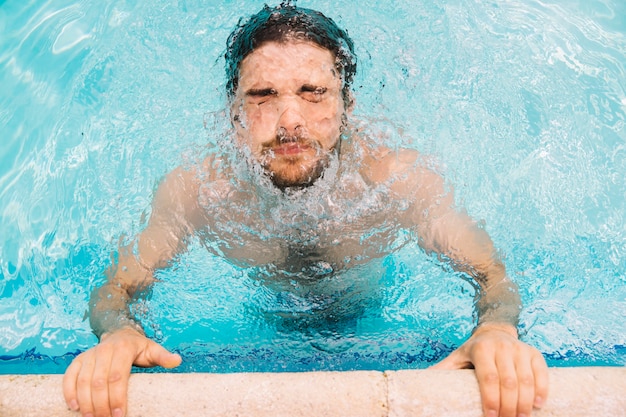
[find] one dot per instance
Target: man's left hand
(512, 376)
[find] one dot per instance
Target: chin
(287, 175)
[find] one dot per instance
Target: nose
(290, 116)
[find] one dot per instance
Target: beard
(300, 168)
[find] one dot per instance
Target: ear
(349, 103)
(235, 114)
(237, 118)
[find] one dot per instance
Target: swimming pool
(523, 103)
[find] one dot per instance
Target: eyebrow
(260, 92)
(313, 88)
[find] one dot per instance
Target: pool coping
(576, 391)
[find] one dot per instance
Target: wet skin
(288, 109)
(288, 113)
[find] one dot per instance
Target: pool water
(523, 104)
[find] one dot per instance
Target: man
(308, 191)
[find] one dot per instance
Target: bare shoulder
(177, 193)
(184, 180)
(404, 170)
(178, 183)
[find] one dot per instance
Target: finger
(526, 386)
(509, 387)
(83, 382)
(118, 385)
(69, 384)
(447, 363)
(488, 382)
(540, 371)
(172, 360)
(458, 359)
(157, 355)
(100, 380)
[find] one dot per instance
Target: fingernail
(492, 413)
(73, 405)
(538, 402)
(118, 412)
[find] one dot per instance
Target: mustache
(299, 135)
(282, 137)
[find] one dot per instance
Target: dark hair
(289, 22)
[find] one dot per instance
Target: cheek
(259, 119)
(328, 123)
(255, 129)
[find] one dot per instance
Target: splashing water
(521, 103)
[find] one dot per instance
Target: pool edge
(583, 391)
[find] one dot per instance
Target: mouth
(290, 149)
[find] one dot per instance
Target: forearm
(109, 310)
(109, 305)
(174, 217)
(498, 298)
(470, 250)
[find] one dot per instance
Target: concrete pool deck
(574, 392)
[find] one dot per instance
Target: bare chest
(316, 232)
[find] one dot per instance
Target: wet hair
(284, 23)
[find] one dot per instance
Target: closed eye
(313, 93)
(260, 96)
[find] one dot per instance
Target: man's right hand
(96, 382)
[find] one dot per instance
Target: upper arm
(175, 215)
(442, 228)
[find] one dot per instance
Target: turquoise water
(522, 102)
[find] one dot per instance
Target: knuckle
(115, 377)
(526, 380)
(83, 379)
(481, 348)
(509, 382)
(491, 378)
(99, 383)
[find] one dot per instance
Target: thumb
(453, 361)
(447, 363)
(157, 355)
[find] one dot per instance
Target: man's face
(288, 109)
